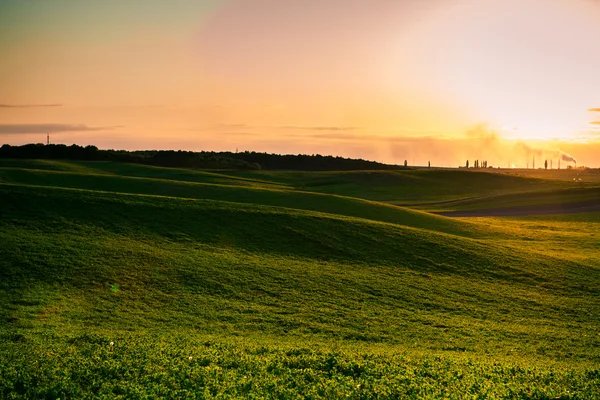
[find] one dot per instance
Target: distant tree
(546, 164)
(188, 159)
(428, 164)
(467, 163)
(405, 163)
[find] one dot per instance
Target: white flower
(190, 358)
(112, 343)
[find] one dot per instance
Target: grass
(276, 292)
(587, 176)
(238, 193)
(177, 367)
(404, 187)
(576, 195)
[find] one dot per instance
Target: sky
(507, 81)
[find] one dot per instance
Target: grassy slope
(591, 176)
(575, 195)
(264, 195)
(396, 187)
(499, 305)
(409, 186)
(279, 266)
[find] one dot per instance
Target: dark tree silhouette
(190, 159)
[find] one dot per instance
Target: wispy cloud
(289, 127)
(337, 136)
(29, 105)
(594, 109)
(50, 128)
(318, 128)
(595, 122)
(229, 133)
(235, 126)
(344, 137)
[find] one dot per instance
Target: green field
(131, 281)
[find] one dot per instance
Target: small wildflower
(112, 343)
(190, 358)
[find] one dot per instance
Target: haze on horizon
(435, 80)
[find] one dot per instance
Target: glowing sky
(387, 80)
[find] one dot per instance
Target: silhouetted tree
(467, 163)
(546, 164)
(190, 159)
(405, 163)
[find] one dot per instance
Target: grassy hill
(397, 187)
(133, 281)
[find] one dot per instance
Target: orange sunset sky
(386, 80)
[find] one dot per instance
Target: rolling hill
(134, 281)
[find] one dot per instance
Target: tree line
(249, 160)
(477, 164)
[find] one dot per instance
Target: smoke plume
(484, 141)
(568, 158)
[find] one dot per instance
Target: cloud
(231, 133)
(594, 109)
(595, 122)
(318, 128)
(366, 138)
(29, 105)
(235, 126)
(484, 133)
(290, 127)
(334, 136)
(50, 128)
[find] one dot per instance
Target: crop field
(132, 281)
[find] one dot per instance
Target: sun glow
(387, 80)
(528, 64)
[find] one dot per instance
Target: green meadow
(132, 281)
